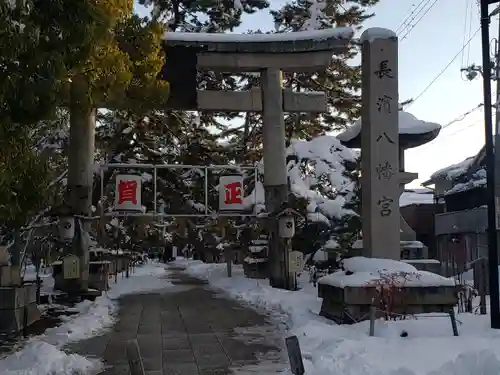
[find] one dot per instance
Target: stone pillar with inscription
(380, 184)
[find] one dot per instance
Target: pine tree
(341, 80)
(41, 41)
(221, 15)
(348, 229)
(24, 181)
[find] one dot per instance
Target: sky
(426, 48)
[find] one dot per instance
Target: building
(418, 208)
(461, 229)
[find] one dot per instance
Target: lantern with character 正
(231, 193)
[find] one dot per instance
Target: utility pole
(490, 165)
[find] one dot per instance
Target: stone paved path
(188, 330)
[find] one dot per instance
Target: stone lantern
(412, 133)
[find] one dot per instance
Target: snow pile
(316, 170)
(361, 271)
(44, 354)
(453, 171)
(408, 124)
(478, 179)
(328, 349)
(416, 197)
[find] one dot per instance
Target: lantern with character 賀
(128, 193)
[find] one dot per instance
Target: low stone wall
(256, 270)
(18, 307)
(99, 272)
(352, 304)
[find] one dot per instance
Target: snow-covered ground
(44, 355)
(430, 347)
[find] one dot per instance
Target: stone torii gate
(309, 51)
(269, 55)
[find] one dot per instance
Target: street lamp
(490, 167)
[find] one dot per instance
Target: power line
(443, 70)
(467, 29)
(462, 116)
(409, 18)
(461, 130)
(420, 19)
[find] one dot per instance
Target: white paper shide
(231, 193)
(128, 193)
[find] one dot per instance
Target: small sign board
(231, 193)
(294, 355)
(71, 267)
(295, 261)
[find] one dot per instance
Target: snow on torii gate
(270, 54)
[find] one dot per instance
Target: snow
(365, 272)
(421, 261)
(453, 171)
(238, 4)
(44, 354)
(331, 244)
(316, 9)
(320, 256)
(416, 197)
(254, 260)
(375, 33)
(408, 124)
(328, 349)
(412, 244)
(317, 174)
(338, 33)
(478, 180)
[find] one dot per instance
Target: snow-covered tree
(322, 188)
(342, 79)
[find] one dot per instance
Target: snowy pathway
(189, 329)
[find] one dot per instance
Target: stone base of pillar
(10, 276)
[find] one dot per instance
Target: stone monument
(346, 297)
(380, 185)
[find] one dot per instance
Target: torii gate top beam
(293, 42)
(295, 51)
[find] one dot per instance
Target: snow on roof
(453, 171)
(416, 197)
(478, 180)
(337, 33)
(408, 124)
(366, 272)
(317, 170)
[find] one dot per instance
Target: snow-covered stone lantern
(412, 133)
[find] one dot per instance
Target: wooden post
(453, 322)
(373, 314)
